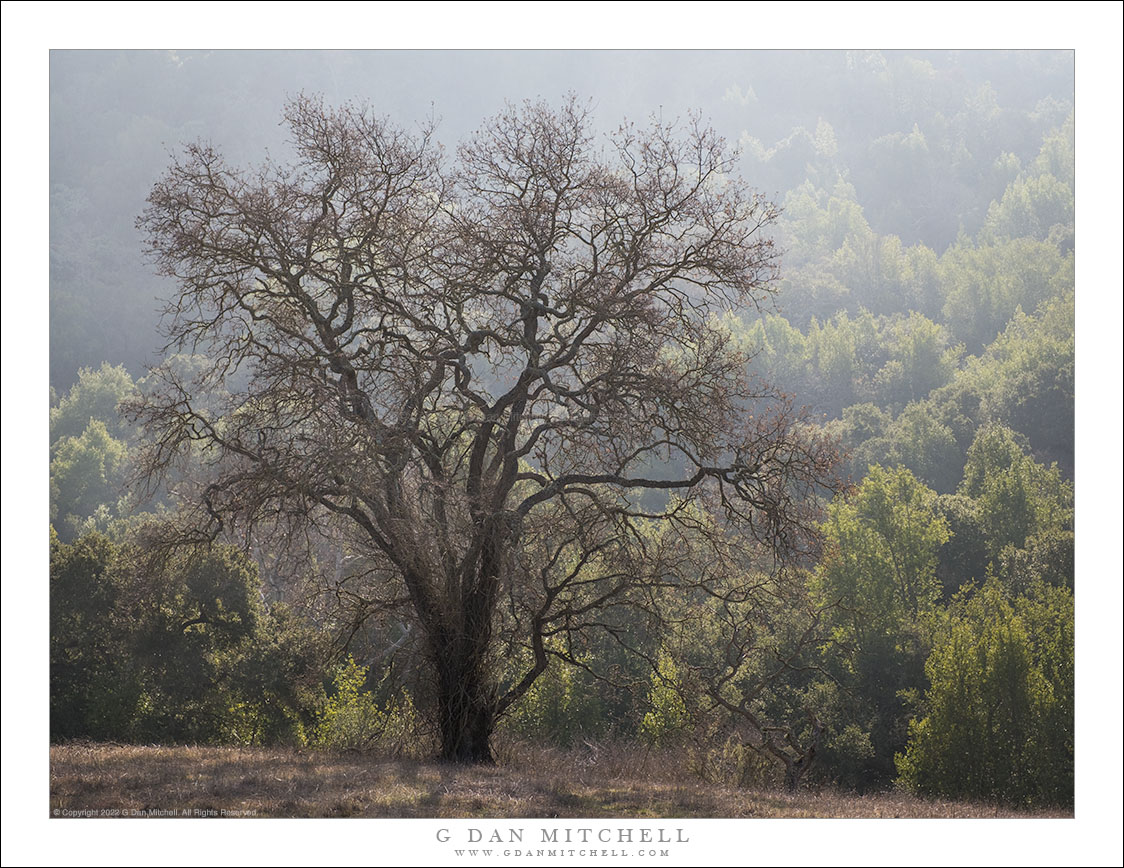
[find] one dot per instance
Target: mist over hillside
(926, 139)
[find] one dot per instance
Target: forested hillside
(923, 318)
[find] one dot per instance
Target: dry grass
(594, 781)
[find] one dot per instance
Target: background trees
(1000, 705)
(153, 645)
(878, 580)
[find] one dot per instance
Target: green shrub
(351, 718)
(1000, 705)
(668, 718)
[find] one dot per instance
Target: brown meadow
(593, 781)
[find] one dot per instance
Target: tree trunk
(792, 774)
(465, 704)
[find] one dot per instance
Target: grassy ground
(604, 782)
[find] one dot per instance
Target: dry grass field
(116, 780)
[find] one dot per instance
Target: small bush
(668, 719)
(351, 718)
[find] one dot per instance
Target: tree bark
(465, 705)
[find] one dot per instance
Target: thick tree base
(466, 717)
(485, 759)
(467, 750)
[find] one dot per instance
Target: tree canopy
(448, 361)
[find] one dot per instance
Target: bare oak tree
(488, 373)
